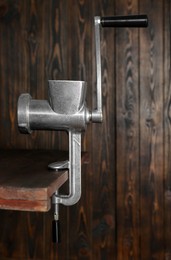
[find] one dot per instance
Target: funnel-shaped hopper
(67, 97)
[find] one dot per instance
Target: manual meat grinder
(66, 110)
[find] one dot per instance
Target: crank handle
(111, 21)
(125, 21)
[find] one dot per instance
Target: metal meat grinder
(66, 110)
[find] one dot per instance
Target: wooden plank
(22, 234)
(103, 144)
(9, 63)
(127, 138)
(26, 205)
(151, 132)
(26, 181)
(167, 128)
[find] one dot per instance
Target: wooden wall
(125, 208)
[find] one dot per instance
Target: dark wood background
(125, 208)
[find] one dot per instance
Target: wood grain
(127, 84)
(125, 208)
(103, 139)
(25, 182)
(151, 136)
(79, 64)
(167, 129)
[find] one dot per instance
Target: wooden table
(25, 181)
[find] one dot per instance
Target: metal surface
(59, 165)
(53, 115)
(56, 236)
(39, 115)
(97, 113)
(67, 96)
(23, 113)
(74, 172)
(42, 117)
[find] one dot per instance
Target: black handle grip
(125, 21)
(56, 234)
